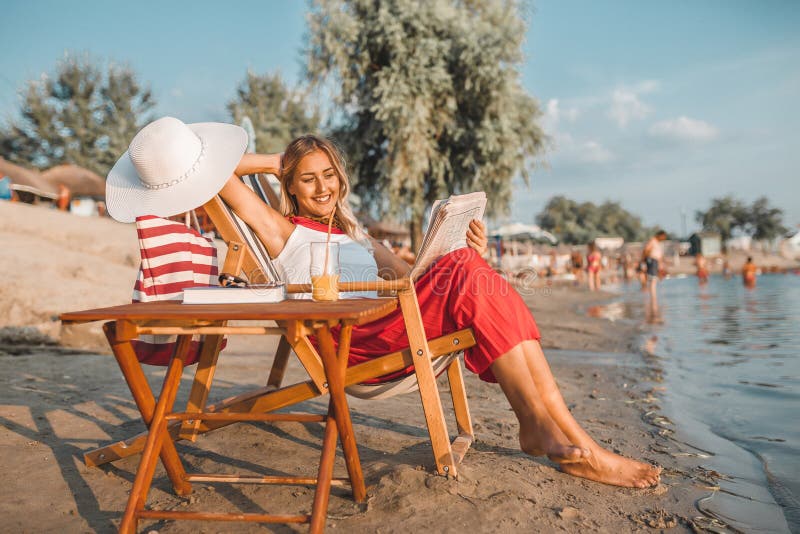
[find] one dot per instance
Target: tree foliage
(765, 222)
(430, 98)
(279, 114)
(85, 114)
(574, 222)
(728, 215)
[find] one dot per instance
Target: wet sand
(60, 400)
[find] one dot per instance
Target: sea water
(731, 357)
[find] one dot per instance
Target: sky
(660, 106)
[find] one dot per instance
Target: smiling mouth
(323, 199)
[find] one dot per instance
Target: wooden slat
(429, 393)
(267, 479)
(335, 365)
(226, 227)
(460, 446)
(459, 395)
(201, 385)
(358, 286)
(319, 509)
(210, 330)
(279, 363)
(212, 516)
(358, 311)
(311, 361)
(242, 417)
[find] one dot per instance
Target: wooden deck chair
(247, 256)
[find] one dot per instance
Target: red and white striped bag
(174, 257)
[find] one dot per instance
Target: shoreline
(741, 495)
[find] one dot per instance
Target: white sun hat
(171, 167)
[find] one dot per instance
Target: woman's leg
(539, 435)
(601, 465)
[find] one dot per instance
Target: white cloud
(646, 86)
(594, 152)
(626, 106)
(684, 129)
(553, 115)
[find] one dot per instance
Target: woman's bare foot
(609, 468)
(544, 438)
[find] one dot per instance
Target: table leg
(143, 396)
(335, 369)
(157, 437)
(319, 510)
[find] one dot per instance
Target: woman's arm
(271, 227)
(259, 163)
(390, 267)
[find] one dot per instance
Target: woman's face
(315, 185)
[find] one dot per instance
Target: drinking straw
(328, 241)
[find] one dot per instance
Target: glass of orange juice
(324, 271)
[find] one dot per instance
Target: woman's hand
(476, 237)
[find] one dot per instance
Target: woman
(460, 290)
(314, 185)
(593, 264)
(702, 268)
(749, 272)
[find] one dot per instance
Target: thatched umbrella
(80, 181)
(31, 180)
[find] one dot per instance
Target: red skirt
(459, 291)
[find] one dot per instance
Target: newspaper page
(447, 229)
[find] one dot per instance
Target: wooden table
(300, 317)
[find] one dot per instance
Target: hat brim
(127, 198)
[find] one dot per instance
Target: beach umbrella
(30, 180)
(523, 231)
(79, 181)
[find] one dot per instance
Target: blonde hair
(294, 153)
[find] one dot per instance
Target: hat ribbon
(182, 177)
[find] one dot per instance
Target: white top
(356, 263)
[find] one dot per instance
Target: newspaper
(447, 228)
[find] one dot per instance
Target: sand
(63, 395)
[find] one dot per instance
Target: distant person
(653, 256)
(749, 270)
(552, 267)
(702, 268)
(641, 273)
(6, 193)
(626, 265)
(593, 266)
(576, 261)
(726, 269)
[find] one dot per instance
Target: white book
(447, 228)
(257, 293)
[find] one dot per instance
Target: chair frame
(241, 260)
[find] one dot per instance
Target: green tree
(279, 114)
(726, 215)
(430, 101)
(85, 114)
(574, 222)
(763, 221)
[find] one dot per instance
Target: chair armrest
(366, 285)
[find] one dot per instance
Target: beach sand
(63, 395)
